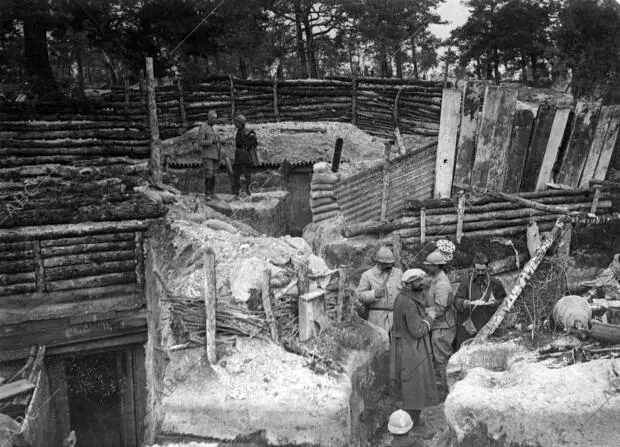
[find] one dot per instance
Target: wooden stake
(139, 261)
(344, 305)
(524, 277)
(266, 297)
(39, 268)
(275, 99)
(126, 87)
(182, 105)
(303, 283)
(399, 141)
(397, 249)
(354, 102)
(385, 196)
(460, 213)
(337, 155)
(210, 298)
(155, 161)
(232, 97)
(422, 225)
(595, 199)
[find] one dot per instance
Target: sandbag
(325, 208)
(322, 194)
(324, 177)
(324, 216)
(321, 166)
(572, 312)
(322, 187)
(323, 201)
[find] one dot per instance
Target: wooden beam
(385, 195)
(139, 259)
(600, 132)
(155, 160)
(210, 299)
(470, 118)
(9, 390)
(140, 387)
(67, 230)
(449, 124)
(124, 368)
(460, 214)
(538, 145)
(586, 115)
(57, 376)
(519, 141)
(608, 147)
(558, 129)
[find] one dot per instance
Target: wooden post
(266, 298)
(595, 199)
(39, 272)
(139, 250)
(354, 102)
(399, 141)
(385, 196)
(564, 240)
(337, 154)
(155, 162)
(210, 298)
(232, 97)
(344, 304)
(396, 100)
(303, 282)
(422, 225)
(57, 376)
(397, 247)
(126, 87)
(142, 87)
(124, 365)
(275, 99)
(522, 281)
(182, 105)
(459, 219)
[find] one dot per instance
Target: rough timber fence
(375, 105)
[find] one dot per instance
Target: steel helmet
(385, 256)
(435, 258)
(400, 422)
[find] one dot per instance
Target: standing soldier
(379, 287)
(441, 297)
(245, 154)
(210, 153)
(476, 300)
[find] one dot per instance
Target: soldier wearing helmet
(441, 298)
(379, 287)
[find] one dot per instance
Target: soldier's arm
(461, 296)
(443, 298)
(205, 136)
(364, 290)
(417, 326)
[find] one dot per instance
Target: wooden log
(81, 270)
(17, 278)
(49, 252)
(399, 141)
(608, 333)
(139, 257)
(519, 141)
(422, 225)
(460, 216)
(558, 130)
(39, 268)
(337, 154)
(275, 99)
(303, 281)
(27, 265)
(155, 159)
(92, 281)
(354, 102)
(233, 107)
(397, 250)
(182, 105)
(610, 143)
(64, 231)
(210, 300)
(266, 299)
(538, 145)
(524, 277)
(446, 149)
(494, 137)
(92, 239)
(386, 180)
(466, 147)
(344, 303)
(13, 389)
(579, 143)
(97, 257)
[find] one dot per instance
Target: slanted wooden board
(470, 118)
(446, 150)
(519, 141)
(553, 145)
(537, 148)
(600, 132)
(613, 132)
(586, 115)
(494, 137)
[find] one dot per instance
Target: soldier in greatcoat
(245, 154)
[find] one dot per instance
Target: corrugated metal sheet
(411, 177)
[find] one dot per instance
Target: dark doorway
(107, 397)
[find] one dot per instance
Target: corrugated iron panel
(411, 177)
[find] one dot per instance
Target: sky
(452, 11)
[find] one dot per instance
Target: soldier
(210, 153)
(245, 155)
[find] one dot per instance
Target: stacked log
(323, 202)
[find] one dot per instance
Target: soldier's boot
(209, 188)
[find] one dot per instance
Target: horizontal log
(92, 239)
(25, 265)
(139, 151)
(70, 230)
(49, 252)
(15, 256)
(92, 281)
(80, 270)
(14, 246)
(21, 126)
(16, 278)
(76, 142)
(134, 134)
(495, 268)
(16, 289)
(88, 258)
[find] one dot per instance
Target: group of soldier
(245, 154)
(426, 321)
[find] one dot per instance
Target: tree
(588, 39)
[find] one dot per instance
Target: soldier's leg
(247, 173)
(442, 350)
(209, 177)
(237, 169)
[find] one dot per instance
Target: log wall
(374, 105)
(411, 175)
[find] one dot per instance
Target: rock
(246, 275)
(531, 405)
(299, 244)
(280, 259)
(279, 277)
(219, 225)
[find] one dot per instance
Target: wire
(197, 26)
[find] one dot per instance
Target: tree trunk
(496, 66)
(523, 68)
(383, 62)
(243, 70)
(414, 59)
(301, 48)
(310, 52)
(78, 44)
(534, 61)
(36, 55)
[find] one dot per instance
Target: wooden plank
(50, 252)
(493, 138)
(385, 192)
(608, 147)
(449, 124)
(558, 129)
(17, 278)
(140, 386)
(470, 120)
(124, 367)
(92, 281)
(538, 145)
(600, 132)
(26, 265)
(16, 289)
(519, 142)
(66, 230)
(81, 270)
(92, 239)
(16, 388)
(579, 143)
(59, 261)
(57, 376)
(210, 299)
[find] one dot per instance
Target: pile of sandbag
(322, 193)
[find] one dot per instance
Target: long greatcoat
(412, 377)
